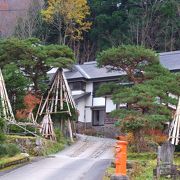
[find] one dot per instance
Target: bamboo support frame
(6, 106)
(7, 113)
(174, 132)
(53, 103)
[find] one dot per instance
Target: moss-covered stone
(36, 146)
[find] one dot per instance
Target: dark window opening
(77, 86)
(98, 117)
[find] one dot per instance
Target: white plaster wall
(88, 114)
(81, 110)
(88, 103)
(110, 106)
(77, 92)
(99, 101)
(89, 88)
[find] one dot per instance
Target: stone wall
(108, 130)
(34, 146)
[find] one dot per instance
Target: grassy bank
(38, 146)
(15, 160)
(142, 166)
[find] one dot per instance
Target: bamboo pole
(8, 101)
(177, 132)
(7, 109)
(68, 90)
(70, 130)
(61, 93)
(39, 108)
(47, 98)
(57, 91)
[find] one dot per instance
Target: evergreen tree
(34, 59)
(154, 24)
(147, 101)
(16, 84)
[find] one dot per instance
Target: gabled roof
(171, 60)
(87, 71)
(90, 71)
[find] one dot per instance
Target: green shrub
(3, 150)
(17, 130)
(142, 156)
(177, 148)
(59, 136)
(2, 135)
(12, 149)
(53, 147)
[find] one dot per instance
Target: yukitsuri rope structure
(174, 132)
(53, 102)
(47, 129)
(6, 112)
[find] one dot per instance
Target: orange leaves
(30, 102)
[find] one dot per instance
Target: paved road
(87, 159)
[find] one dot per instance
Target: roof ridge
(82, 72)
(169, 53)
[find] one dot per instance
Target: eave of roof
(80, 96)
(90, 72)
(171, 60)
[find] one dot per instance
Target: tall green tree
(16, 84)
(147, 101)
(34, 59)
(154, 24)
(133, 60)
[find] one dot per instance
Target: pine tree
(149, 98)
(34, 59)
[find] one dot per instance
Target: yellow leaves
(72, 13)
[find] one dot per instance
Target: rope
(16, 124)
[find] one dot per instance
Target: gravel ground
(87, 159)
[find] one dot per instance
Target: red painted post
(121, 158)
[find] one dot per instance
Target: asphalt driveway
(87, 159)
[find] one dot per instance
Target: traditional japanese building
(85, 79)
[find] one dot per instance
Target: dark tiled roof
(73, 74)
(80, 96)
(171, 60)
(91, 71)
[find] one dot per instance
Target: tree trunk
(140, 143)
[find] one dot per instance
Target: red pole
(121, 158)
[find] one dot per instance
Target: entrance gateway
(98, 116)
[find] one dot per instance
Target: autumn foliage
(157, 135)
(68, 16)
(30, 102)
